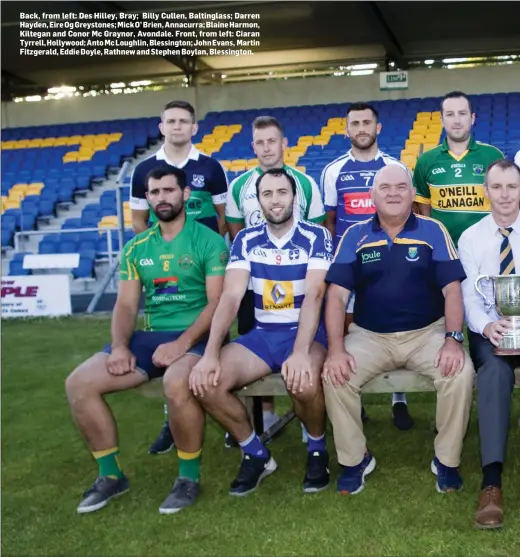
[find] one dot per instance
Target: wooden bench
(397, 381)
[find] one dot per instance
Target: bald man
(408, 314)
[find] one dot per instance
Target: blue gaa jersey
(278, 268)
(205, 176)
(345, 186)
(398, 284)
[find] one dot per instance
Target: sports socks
(254, 447)
(108, 463)
(189, 465)
(398, 397)
(316, 444)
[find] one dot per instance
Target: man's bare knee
(82, 381)
(176, 388)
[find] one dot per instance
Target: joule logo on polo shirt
(371, 257)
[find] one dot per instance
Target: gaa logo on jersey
(198, 181)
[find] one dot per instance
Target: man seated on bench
(408, 313)
(287, 260)
(492, 247)
(181, 264)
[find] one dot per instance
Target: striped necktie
(507, 264)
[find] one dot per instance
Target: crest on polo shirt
(197, 181)
(412, 254)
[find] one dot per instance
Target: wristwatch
(458, 336)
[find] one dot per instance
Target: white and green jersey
(242, 203)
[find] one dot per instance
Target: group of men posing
(331, 291)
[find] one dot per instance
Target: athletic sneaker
(352, 478)
(102, 490)
(317, 477)
(253, 470)
(164, 443)
(230, 441)
(183, 494)
(448, 479)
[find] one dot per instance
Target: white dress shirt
(479, 253)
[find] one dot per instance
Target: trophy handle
(488, 304)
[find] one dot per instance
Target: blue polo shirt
(398, 283)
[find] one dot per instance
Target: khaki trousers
(376, 353)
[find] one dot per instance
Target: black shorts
(246, 313)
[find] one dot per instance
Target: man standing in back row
(206, 179)
(346, 184)
(450, 178)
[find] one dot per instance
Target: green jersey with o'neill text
(454, 185)
(174, 273)
(243, 207)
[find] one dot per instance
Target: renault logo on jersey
(278, 295)
(145, 262)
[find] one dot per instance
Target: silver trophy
(506, 301)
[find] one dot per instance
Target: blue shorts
(143, 345)
(274, 346)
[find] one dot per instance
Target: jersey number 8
(166, 265)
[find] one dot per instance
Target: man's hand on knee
(338, 367)
(121, 361)
(450, 358)
(204, 374)
(297, 372)
(167, 353)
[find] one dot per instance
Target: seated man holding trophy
(490, 254)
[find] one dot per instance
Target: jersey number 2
(458, 172)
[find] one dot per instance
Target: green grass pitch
(45, 468)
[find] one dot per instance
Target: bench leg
(277, 427)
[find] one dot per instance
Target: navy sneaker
(229, 441)
(253, 470)
(352, 478)
(102, 490)
(317, 477)
(448, 479)
(183, 494)
(164, 443)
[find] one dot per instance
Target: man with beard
(181, 264)
(450, 178)
(243, 210)
(286, 261)
(346, 184)
(208, 184)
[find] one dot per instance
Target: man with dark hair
(345, 184)
(208, 184)
(449, 179)
(286, 260)
(205, 176)
(243, 210)
(492, 247)
(181, 265)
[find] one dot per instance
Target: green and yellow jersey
(174, 273)
(454, 185)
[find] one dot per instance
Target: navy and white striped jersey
(345, 186)
(278, 268)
